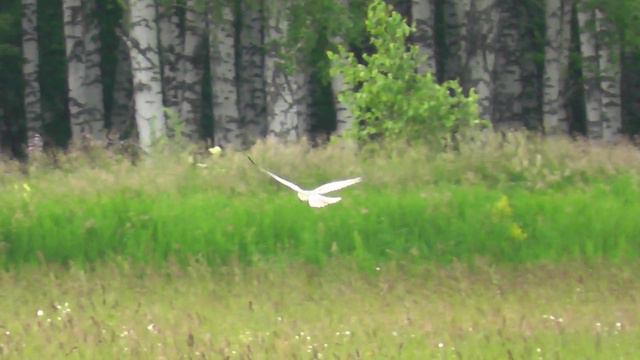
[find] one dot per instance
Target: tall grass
(512, 200)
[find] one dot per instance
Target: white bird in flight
(315, 197)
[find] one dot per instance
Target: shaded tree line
(234, 71)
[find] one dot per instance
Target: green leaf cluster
(389, 95)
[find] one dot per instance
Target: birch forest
(231, 72)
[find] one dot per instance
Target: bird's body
(316, 197)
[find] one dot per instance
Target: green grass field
(513, 247)
(337, 312)
(511, 202)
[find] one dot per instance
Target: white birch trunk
(93, 72)
(227, 127)
(192, 70)
(344, 117)
(479, 24)
(423, 14)
(472, 27)
(145, 66)
(30, 70)
(283, 115)
(590, 71)
(609, 63)
(251, 88)
(171, 50)
(556, 66)
(507, 110)
(82, 126)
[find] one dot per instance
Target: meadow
(506, 246)
(552, 311)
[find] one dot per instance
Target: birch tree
(471, 30)
(145, 66)
(171, 50)
(227, 126)
(479, 23)
(192, 70)
(508, 86)
(284, 92)
(423, 14)
(590, 70)
(454, 22)
(30, 70)
(123, 107)
(517, 78)
(344, 117)
(93, 74)
(251, 88)
(609, 64)
(556, 66)
(83, 125)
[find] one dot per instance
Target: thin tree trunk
(454, 22)
(171, 50)
(30, 70)
(344, 117)
(145, 65)
(251, 88)
(474, 23)
(82, 126)
(480, 21)
(590, 71)
(123, 106)
(507, 111)
(556, 66)
(423, 14)
(93, 73)
(609, 63)
(227, 127)
(192, 70)
(283, 89)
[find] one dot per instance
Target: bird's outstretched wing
(284, 182)
(318, 201)
(336, 185)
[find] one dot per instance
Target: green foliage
(625, 16)
(388, 93)
(310, 25)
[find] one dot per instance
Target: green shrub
(388, 95)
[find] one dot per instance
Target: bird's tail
(318, 201)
